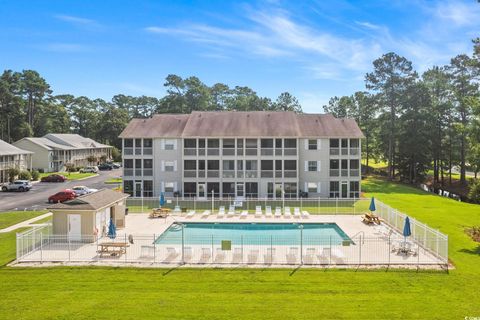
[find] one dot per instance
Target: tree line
(28, 107)
(419, 122)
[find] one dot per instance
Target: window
(251, 189)
(190, 164)
(169, 186)
(251, 164)
(201, 164)
(334, 143)
(128, 143)
(190, 143)
(170, 144)
(239, 147)
(344, 168)
(290, 164)
(334, 168)
(228, 164)
(334, 164)
(312, 187)
(147, 163)
(278, 143)
(128, 187)
(213, 165)
(290, 143)
(278, 164)
(148, 188)
(290, 190)
(334, 189)
(266, 143)
(201, 143)
(213, 143)
(312, 165)
(312, 144)
(138, 143)
(189, 189)
(354, 189)
(228, 189)
(354, 143)
(344, 143)
(147, 143)
(354, 168)
(251, 143)
(215, 187)
(170, 166)
(229, 143)
(267, 164)
(128, 163)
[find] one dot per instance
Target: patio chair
(190, 213)
(244, 214)
(269, 257)
(258, 212)
(177, 209)
(268, 212)
(292, 255)
(171, 253)
(231, 211)
(287, 213)
(206, 255)
(296, 212)
(337, 255)
(187, 253)
(309, 257)
(221, 212)
(278, 212)
(206, 213)
(253, 256)
(305, 214)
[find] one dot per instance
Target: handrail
(359, 233)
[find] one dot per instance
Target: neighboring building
(13, 157)
(242, 154)
(87, 217)
(53, 152)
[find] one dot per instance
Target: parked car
(82, 190)
(90, 169)
(54, 178)
(105, 166)
(62, 196)
(17, 185)
(115, 165)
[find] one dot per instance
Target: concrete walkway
(26, 223)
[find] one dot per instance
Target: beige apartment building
(13, 157)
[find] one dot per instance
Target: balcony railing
(251, 174)
(354, 151)
(344, 172)
(354, 172)
(213, 152)
(290, 151)
(290, 173)
(148, 172)
(228, 152)
(190, 152)
(201, 152)
(240, 152)
(251, 151)
(138, 172)
(334, 151)
(190, 173)
(266, 152)
(278, 173)
(228, 174)
(128, 172)
(267, 173)
(278, 152)
(147, 151)
(239, 174)
(138, 151)
(334, 172)
(128, 151)
(344, 151)
(213, 173)
(201, 173)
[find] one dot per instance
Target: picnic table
(160, 212)
(112, 248)
(369, 218)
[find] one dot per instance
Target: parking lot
(36, 198)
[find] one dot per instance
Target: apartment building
(13, 157)
(242, 154)
(54, 151)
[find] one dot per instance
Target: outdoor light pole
(213, 201)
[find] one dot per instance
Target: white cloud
(458, 12)
(368, 25)
(79, 21)
(65, 47)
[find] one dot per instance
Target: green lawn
(69, 175)
(129, 293)
(10, 218)
(114, 181)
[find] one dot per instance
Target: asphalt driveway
(37, 197)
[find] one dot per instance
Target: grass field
(10, 218)
(69, 175)
(129, 293)
(114, 181)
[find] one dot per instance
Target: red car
(54, 178)
(62, 196)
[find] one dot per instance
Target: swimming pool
(254, 233)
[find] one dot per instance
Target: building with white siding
(13, 157)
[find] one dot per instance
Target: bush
(71, 169)
(103, 158)
(78, 168)
(41, 171)
(474, 193)
(24, 175)
(12, 173)
(116, 155)
(35, 175)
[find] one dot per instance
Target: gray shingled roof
(92, 201)
(74, 140)
(242, 124)
(6, 149)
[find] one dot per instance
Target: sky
(312, 49)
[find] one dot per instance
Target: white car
(82, 190)
(17, 185)
(92, 169)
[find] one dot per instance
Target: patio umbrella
(372, 205)
(406, 229)
(162, 199)
(112, 230)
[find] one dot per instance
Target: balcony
(266, 152)
(251, 151)
(228, 174)
(128, 172)
(191, 173)
(290, 173)
(334, 172)
(138, 151)
(213, 152)
(251, 174)
(213, 173)
(148, 172)
(128, 151)
(354, 151)
(334, 151)
(290, 151)
(266, 173)
(228, 152)
(190, 152)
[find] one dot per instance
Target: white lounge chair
(171, 253)
(269, 257)
(187, 253)
(244, 214)
(296, 212)
(231, 211)
(286, 212)
(305, 214)
(268, 212)
(258, 212)
(278, 212)
(177, 209)
(221, 212)
(237, 254)
(206, 254)
(206, 213)
(292, 255)
(253, 256)
(309, 257)
(190, 213)
(220, 255)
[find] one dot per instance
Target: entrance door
(240, 193)
(138, 189)
(201, 191)
(344, 189)
(74, 227)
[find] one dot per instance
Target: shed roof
(92, 201)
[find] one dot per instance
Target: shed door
(74, 227)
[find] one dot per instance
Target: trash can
(126, 211)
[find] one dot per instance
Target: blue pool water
(254, 233)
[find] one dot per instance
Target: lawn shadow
(170, 270)
(470, 251)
